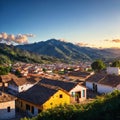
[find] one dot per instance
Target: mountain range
(69, 51)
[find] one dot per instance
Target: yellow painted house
(41, 97)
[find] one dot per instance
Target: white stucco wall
(24, 87)
(113, 70)
(104, 88)
(77, 89)
(100, 87)
(20, 88)
(4, 114)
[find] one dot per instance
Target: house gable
(38, 94)
(59, 98)
(20, 84)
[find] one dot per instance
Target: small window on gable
(27, 107)
(83, 93)
(61, 96)
(21, 104)
(8, 109)
(21, 88)
(32, 110)
(73, 94)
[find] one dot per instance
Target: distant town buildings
(39, 87)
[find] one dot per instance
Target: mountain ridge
(69, 51)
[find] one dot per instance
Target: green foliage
(103, 108)
(4, 60)
(116, 63)
(4, 70)
(98, 65)
(44, 70)
(17, 73)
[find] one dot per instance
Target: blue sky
(93, 23)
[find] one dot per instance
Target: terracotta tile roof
(6, 78)
(111, 80)
(6, 97)
(38, 94)
(21, 81)
(79, 74)
(104, 78)
(34, 79)
(62, 84)
(96, 77)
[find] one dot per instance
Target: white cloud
(19, 39)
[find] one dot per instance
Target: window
(32, 110)
(73, 94)
(21, 88)
(8, 109)
(27, 107)
(94, 87)
(61, 96)
(83, 93)
(79, 94)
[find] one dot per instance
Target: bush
(4, 70)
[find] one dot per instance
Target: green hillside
(103, 108)
(9, 53)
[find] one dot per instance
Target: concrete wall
(4, 114)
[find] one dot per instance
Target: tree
(116, 63)
(4, 70)
(98, 65)
(17, 73)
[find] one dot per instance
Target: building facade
(7, 106)
(41, 97)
